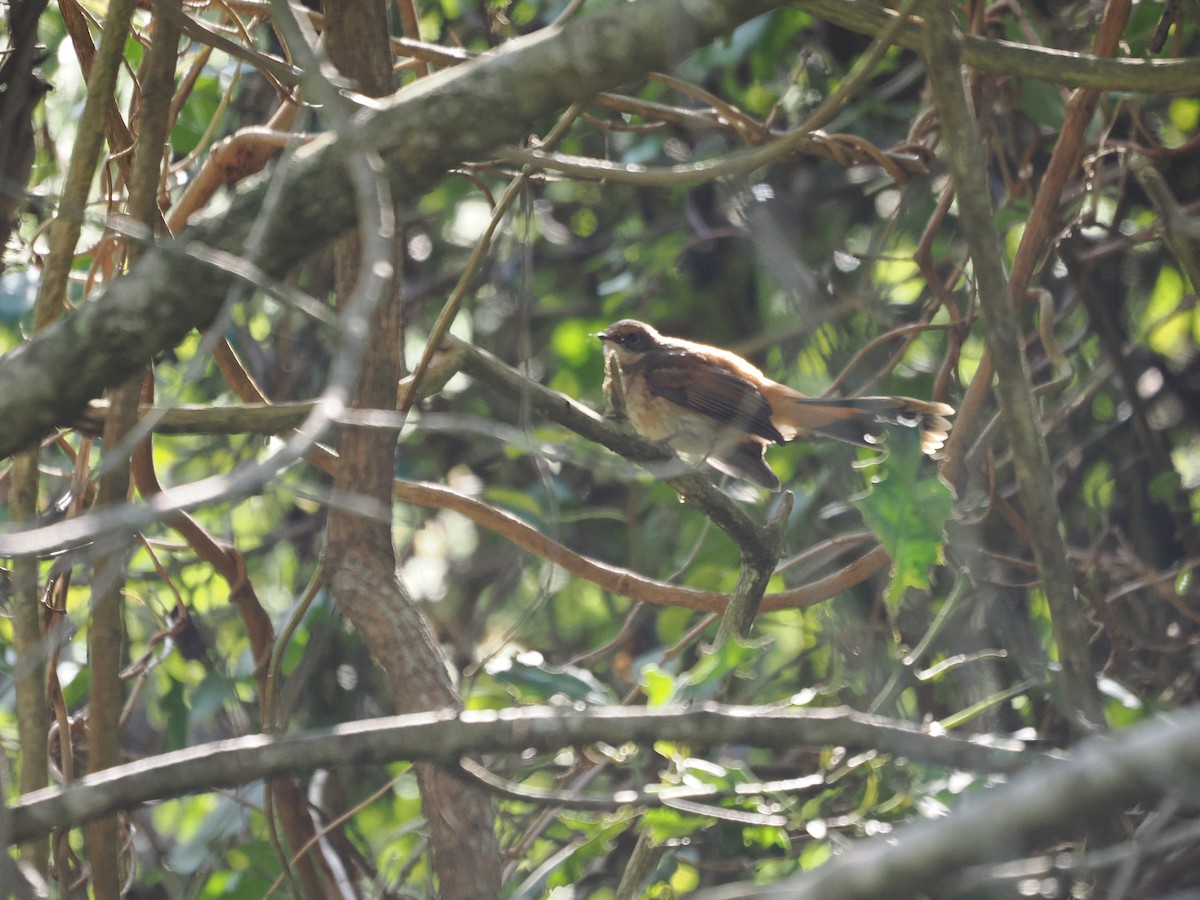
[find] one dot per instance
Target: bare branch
(1080, 698)
(1151, 76)
(445, 737)
(1104, 776)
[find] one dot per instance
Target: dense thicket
(782, 184)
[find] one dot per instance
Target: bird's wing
(712, 390)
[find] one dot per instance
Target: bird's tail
(861, 420)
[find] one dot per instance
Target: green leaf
(1183, 582)
(1165, 324)
(174, 708)
(704, 679)
(519, 503)
(906, 509)
(1042, 102)
(538, 683)
(209, 697)
(667, 824)
(766, 837)
(1166, 485)
(658, 686)
(573, 864)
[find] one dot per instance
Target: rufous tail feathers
(861, 420)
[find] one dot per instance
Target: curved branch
(623, 581)
(277, 418)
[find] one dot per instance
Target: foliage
(840, 267)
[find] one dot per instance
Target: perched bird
(710, 403)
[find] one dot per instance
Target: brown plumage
(707, 402)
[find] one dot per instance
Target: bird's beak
(603, 335)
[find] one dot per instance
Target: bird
(710, 403)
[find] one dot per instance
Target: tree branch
(1080, 699)
(278, 418)
(1150, 76)
(419, 131)
(1103, 777)
(444, 737)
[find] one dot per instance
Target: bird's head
(630, 339)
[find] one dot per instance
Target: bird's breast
(661, 418)
(654, 417)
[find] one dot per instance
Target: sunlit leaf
(539, 683)
(906, 506)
